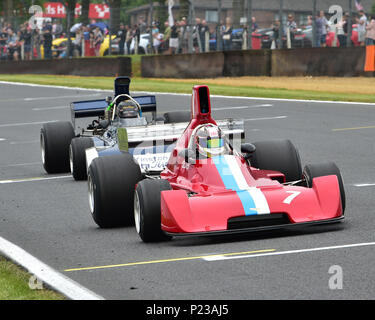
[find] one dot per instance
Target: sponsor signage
(57, 10)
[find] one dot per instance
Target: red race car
(211, 186)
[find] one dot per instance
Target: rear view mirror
(248, 149)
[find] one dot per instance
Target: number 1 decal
(293, 195)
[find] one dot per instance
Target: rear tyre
(55, 140)
(77, 157)
(177, 116)
(312, 171)
(147, 213)
(278, 155)
(111, 182)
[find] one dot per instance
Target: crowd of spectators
(27, 42)
(325, 30)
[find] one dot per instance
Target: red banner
(57, 10)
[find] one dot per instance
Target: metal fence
(188, 26)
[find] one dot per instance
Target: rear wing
(233, 129)
(96, 108)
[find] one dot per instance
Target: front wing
(289, 206)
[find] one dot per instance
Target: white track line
(45, 273)
(189, 95)
(20, 164)
(50, 108)
(24, 123)
(243, 107)
(24, 142)
(9, 181)
(61, 97)
(266, 118)
(364, 185)
(51, 86)
(221, 257)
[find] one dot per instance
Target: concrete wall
(203, 65)
(333, 62)
(78, 66)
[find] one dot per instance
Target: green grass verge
(14, 285)
(168, 85)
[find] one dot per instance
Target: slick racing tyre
(147, 215)
(77, 157)
(312, 171)
(55, 140)
(278, 155)
(177, 116)
(111, 182)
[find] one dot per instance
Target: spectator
(341, 31)
(254, 25)
(184, 35)
(291, 27)
(370, 31)
(362, 23)
(136, 34)
(321, 27)
(57, 29)
(227, 34)
(174, 39)
(276, 31)
(197, 43)
(11, 44)
(128, 38)
(27, 37)
(3, 43)
(167, 35)
(309, 21)
(155, 38)
(120, 38)
(91, 51)
(98, 39)
(47, 44)
(142, 26)
(77, 43)
(37, 42)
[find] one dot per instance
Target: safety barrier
(109, 67)
(332, 62)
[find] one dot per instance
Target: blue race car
(116, 128)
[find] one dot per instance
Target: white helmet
(210, 141)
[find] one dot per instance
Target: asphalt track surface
(50, 218)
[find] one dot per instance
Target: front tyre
(278, 155)
(147, 215)
(77, 157)
(312, 171)
(55, 140)
(111, 183)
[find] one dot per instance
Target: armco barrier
(203, 65)
(77, 66)
(331, 62)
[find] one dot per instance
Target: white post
(244, 40)
(289, 44)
